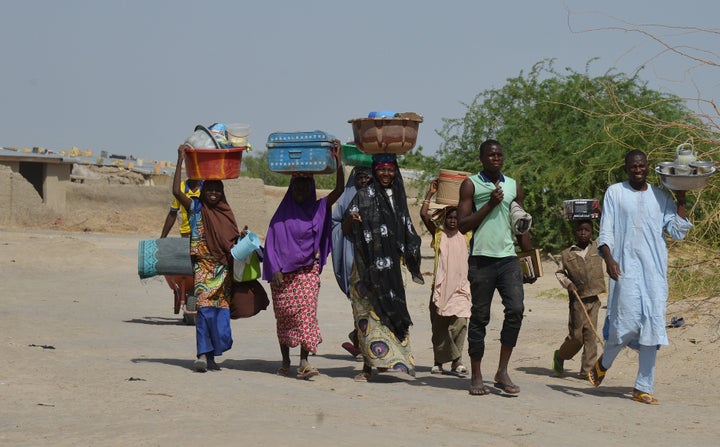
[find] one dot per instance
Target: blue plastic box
(298, 138)
(309, 152)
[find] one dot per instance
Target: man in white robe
(632, 242)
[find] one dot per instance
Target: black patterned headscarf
(385, 238)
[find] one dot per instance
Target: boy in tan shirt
(582, 274)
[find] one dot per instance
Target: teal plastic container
(308, 152)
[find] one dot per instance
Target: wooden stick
(592, 326)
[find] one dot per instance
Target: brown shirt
(584, 268)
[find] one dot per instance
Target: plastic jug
(685, 154)
(245, 246)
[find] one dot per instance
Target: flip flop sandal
(596, 374)
(508, 388)
(436, 369)
(283, 371)
(645, 398)
(460, 370)
(362, 377)
(307, 372)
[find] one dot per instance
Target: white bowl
(237, 134)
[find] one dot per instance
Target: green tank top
(493, 237)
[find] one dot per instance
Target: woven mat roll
(166, 256)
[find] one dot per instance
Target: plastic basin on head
(213, 164)
(385, 135)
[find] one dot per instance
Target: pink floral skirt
(295, 304)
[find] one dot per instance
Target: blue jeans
(486, 275)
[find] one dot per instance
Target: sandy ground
(94, 356)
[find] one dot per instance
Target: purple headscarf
(298, 234)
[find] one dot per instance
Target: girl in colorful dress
(214, 232)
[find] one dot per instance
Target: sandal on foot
(644, 398)
(283, 371)
(479, 390)
(509, 388)
(597, 373)
(307, 371)
(460, 370)
(436, 369)
(362, 377)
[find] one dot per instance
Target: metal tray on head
(677, 182)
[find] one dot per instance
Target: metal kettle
(685, 154)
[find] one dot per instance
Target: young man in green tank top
(484, 208)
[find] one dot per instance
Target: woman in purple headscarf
(296, 249)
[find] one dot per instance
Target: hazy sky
(135, 77)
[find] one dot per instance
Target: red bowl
(213, 164)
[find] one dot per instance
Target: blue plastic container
(309, 152)
(298, 138)
(382, 114)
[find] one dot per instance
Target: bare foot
(481, 390)
(476, 380)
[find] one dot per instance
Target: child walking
(214, 232)
(450, 298)
(582, 274)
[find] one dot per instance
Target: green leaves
(565, 136)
